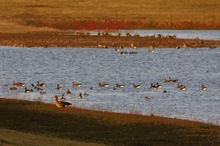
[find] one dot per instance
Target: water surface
(192, 67)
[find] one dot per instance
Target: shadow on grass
(39, 118)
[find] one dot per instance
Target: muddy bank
(102, 40)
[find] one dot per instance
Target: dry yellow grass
(10, 27)
(167, 13)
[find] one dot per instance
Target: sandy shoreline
(73, 40)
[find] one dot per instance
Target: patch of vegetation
(114, 14)
(46, 119)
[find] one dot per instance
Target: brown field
(113, 14)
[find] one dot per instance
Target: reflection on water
(192, 67)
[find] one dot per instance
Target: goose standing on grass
(61, 104)
(204, 88)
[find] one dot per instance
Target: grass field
(94, 127)
(114, 14)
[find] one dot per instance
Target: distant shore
(65, 39)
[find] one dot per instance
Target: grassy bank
(113, 14)
(103, 127)
(13, 137)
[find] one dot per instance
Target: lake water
(192, 67)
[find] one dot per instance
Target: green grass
(99, 127)
(137, 14)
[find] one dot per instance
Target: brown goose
(36, 88)
(86, 94)
(103, 85)
(28, 90)
(158, 85)
(13, 88)
(63, 98)
(79, 95)
(42, 92)
(120, 85)
(5, 85)
(136, 86)
(147, 98)
(204, 88)
(169, 80)
(152, 86)
(180, 86)
(76, 84)
(183, 88)
(41, 84)
(68, 92)
(17, 83)
(58, 87)
(61, 104)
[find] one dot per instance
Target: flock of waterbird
(183, 44)
(62, 103)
